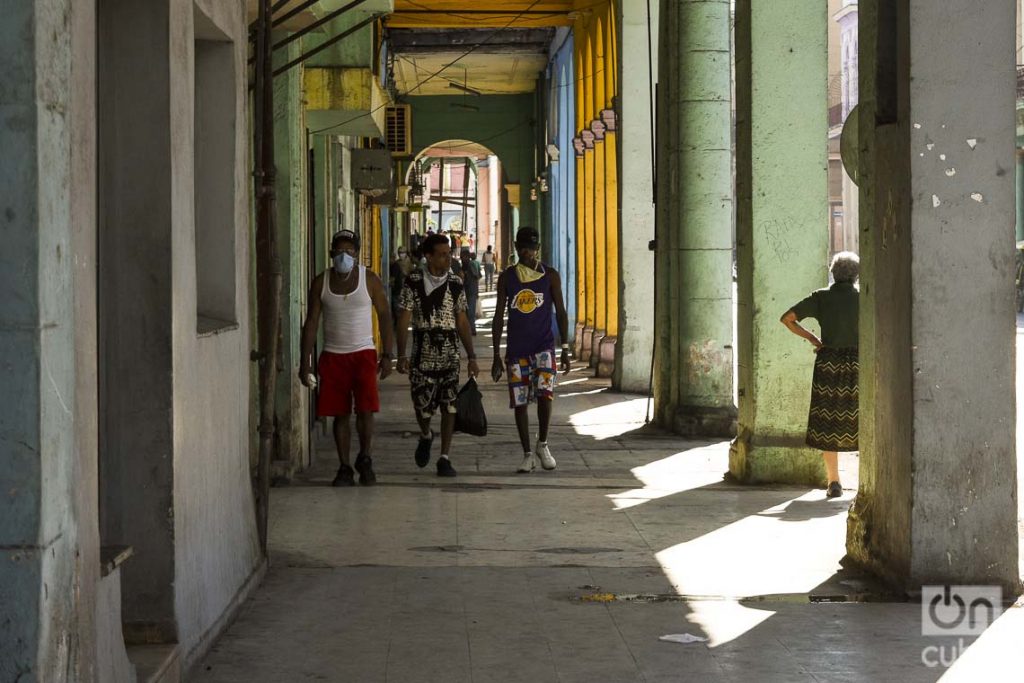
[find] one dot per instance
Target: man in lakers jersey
(530, 293)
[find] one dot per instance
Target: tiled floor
(571, 575)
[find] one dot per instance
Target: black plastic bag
(470, 417)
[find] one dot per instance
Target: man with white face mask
(347, 294)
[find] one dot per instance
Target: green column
(782, 221)
(694, 356)
(290, 160)
(1020, 195)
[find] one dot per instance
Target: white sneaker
(528, 464)
(544, 453)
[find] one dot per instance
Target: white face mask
(344, 263)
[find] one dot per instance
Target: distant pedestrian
(400, 269)
(531, 295)
(346, 295)
(832, 423)
(471, 281)
(488, 261)
(434, 301)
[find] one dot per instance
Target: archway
(460, 188)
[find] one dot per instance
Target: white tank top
(348, 318)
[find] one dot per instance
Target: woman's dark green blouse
(836, 310)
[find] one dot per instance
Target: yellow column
(589, 178)
(600, 255)
(581, 208)
(612, 182)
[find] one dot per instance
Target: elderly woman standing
(832, 423)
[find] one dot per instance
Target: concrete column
(291, 160)
(49, 545)
(694, 358)
(636, 314)
(937, 500)
(781, 234)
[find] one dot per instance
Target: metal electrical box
(371, 171)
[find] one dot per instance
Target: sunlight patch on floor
(725, 620)
(675, 474)
(606, 422)
(790, 558)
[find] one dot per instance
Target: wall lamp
(597, 128)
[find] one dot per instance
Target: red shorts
(344, 375)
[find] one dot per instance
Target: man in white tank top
(346, 295)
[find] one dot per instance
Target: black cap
(347, 235)
(528, 237)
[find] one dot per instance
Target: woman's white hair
(845, 267)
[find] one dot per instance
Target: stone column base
(595, 347)
(585, 344)
(703, 421)
(775, 460)
(577, 341)
(606, 357)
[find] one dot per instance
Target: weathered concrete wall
(879, 526)
(216, 550)
(781, 229)
(636, 327)
(48, 536)
(941, 245)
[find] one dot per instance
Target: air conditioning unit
(398, 133)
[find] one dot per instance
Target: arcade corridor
(174, 176)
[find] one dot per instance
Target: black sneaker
(834, 490)
(364, 466)
(444, 468)
(344, 477)
(423, 450)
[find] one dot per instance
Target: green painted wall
(505, 124)
(355, 50)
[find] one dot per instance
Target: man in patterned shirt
(434, 301)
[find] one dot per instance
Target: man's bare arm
(380, 304)
(309, 328)
(561, 316)
(498, 328)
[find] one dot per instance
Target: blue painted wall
(561, 113)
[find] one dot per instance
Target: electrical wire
(492, 91)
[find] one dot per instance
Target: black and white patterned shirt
(435, 334)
